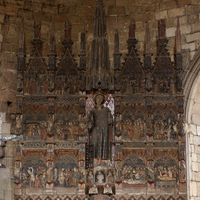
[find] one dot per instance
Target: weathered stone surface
(168, 4)
(193, 19)
(5, 174)
(122, 3)
(170, 32)
(161, 15)
(190, 46)
(186, 29)
(184, 2)
(192, 37)
(176, 12)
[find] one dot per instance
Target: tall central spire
(99, 24)
(100, 68)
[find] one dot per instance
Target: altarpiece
(100, 132)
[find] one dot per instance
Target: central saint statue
(100, 128)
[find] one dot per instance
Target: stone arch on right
(191, 85)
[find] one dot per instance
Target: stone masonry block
(168, 4)
(124, 2)
(193, 189)
(140, 35)
(183, 20)
(176, 12)
(195, 166)
(198, 130)
(192, 53)
(186, 29)
(5, 129)
(50, 9)
(4, 173)
(195, 27)
(194, 157)
(161, 15)
(193, 19)
(113, 10)
(195, 118)
(3, 117)
(190, 46)
(9, 194)
(197, 8)
(196, 140)
(198, 158)
(189, 9)
(197, 177)
(2, 194)
(2, 16)
(197, 149)
(170, 32)
(184, 2)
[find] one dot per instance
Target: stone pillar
(6, 174)
(193, 160)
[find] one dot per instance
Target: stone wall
(193, 160)
(118, 14)
(6, 174)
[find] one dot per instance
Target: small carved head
(99, 99)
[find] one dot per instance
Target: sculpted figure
(149, 79)
(18, 124)
(50, 174)
(90, 177)
(32, 176)
(107, 189)
(109, 177)
(99, 125)
(100, 177)
(24, 178)
(93, 190)
(62, 177)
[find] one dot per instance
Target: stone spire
(82, 63)
(178, 37)
(148, 54)
(67, 41)
(67, 30)
(20, 62)
(37, 27)
(147, 38)
(116, 42)
(52, 55)
(132, 29)
(100, 67)
(83, 38)
(131, 40)
(99, 24)
(52, 38)
(161, 29)
(21, 38)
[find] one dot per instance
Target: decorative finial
(132, 29)
(147, 37)
(83, 37)
(67, 30)
(21, 38)
(161, 29)
(116, 26)
(178, 37)
(116, 47)
(37, 27)
(52, 38)
(83, 26)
